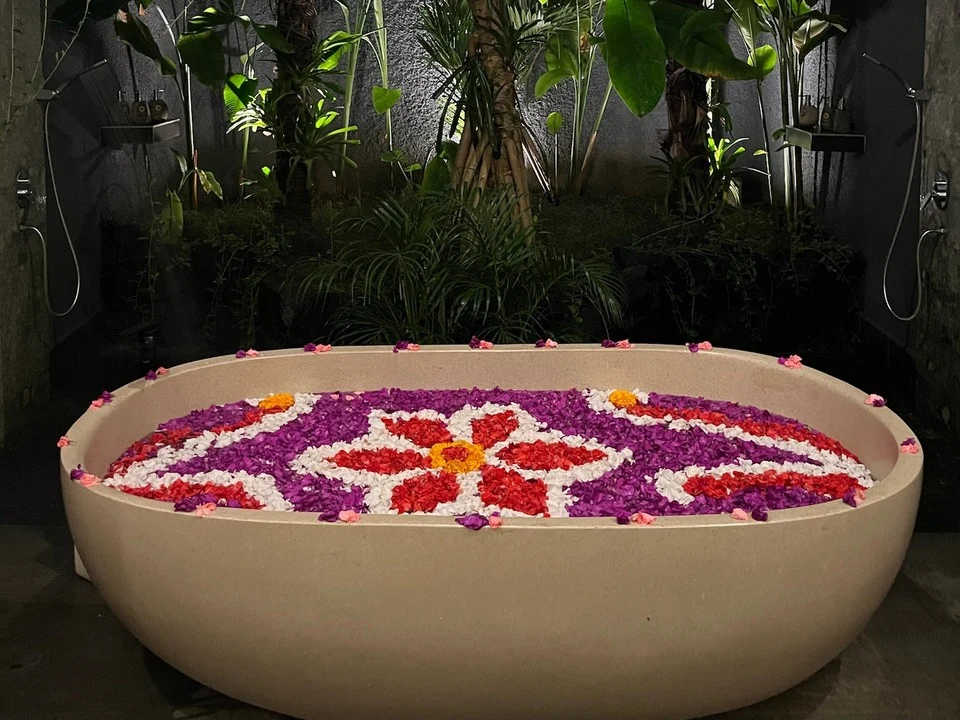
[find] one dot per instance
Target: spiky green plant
(440, 267)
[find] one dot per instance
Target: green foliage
(438, 268)
(134, 33)
(236, 252)
(746, 279)
(696, 40)
(315, 141)
(704, 183)
(385, 98)
(202, 52)
(555, 122)
(635, 54)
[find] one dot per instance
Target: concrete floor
(64, 656)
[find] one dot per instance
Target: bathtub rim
(906, 470)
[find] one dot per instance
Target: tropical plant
(295, 111)
(637, 38)
(797, 30)
(696, 188)
(383, 97)
(235, 252)
(441, 267)
(571, 49)
(166, 225)
(486, 48)
(750, 280)
(197, 46)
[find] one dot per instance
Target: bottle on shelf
(123, 109)
(809, 114)
(842, 121)
(158, 108)
(827, 117)
(140, 112)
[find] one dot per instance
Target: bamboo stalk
(520, 181)
(486, 166)
(593, 139)
(463, 152)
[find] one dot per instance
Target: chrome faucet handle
(24, 191)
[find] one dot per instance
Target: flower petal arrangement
(483, 456)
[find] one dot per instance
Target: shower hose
(63, 224)
(896, 233)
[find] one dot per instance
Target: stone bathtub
(557, 618)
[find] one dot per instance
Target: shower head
(912, 92)
(46, 95)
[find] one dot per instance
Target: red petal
(509, 489)
(424, 492)
(423, 432)
(540, 455)
(834, 484)
(492, 429)
(179, 489)
(385, 461)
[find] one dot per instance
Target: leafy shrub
(236, 252)
(746, 279)
(440, 267)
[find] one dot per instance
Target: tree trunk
(686, 98)
(687, 107)
(505, 140)
(296, 21)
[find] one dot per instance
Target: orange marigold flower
(623, 398)
(277, 403)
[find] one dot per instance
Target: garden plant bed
(482, 454)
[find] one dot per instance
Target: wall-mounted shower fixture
(26, 195)
(940, 193)
(46, 94)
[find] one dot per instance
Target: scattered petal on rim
(740, 514)
(88, 479)
(473, 522)
(793, 362)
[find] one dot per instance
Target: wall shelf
(825, 141)
(140, 134)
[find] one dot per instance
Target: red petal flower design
(771, 429)
(424, 492)
(540, 455)
(835, 484)
(492, 429)
(420, 431)
(180, 490)
(385, 461)
(509, 490)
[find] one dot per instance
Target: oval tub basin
(415, 616)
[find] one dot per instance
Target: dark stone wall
(860, 197)
(935, 341)
(24, 323)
